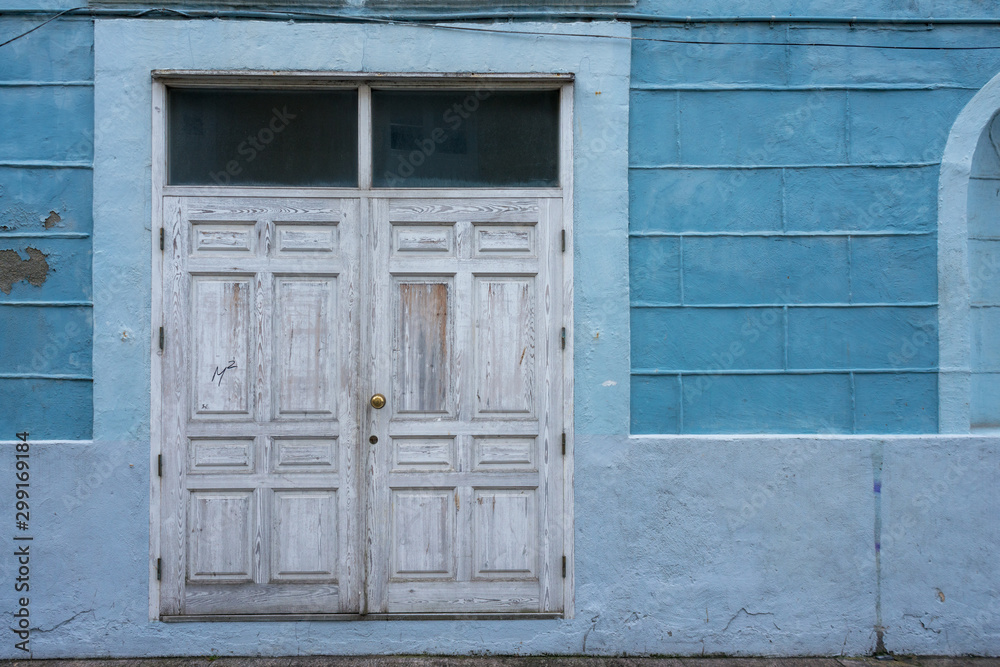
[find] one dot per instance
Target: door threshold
(229, 618)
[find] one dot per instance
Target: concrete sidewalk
(491, 661)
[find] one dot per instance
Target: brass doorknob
(378, 401)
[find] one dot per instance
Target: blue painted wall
(783, 211)
(46, 103)
(684, 545)
(766, 182)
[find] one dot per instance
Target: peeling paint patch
(608, 383)
(13, 269)
(52, 220)
(17, 216)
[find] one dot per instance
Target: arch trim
(954, 318)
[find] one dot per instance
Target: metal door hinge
(562, 337)
(564, 443)
(161, 238)
(564, 567)
(159, 569)
(161, 338)
(159, 465)
(563, 234)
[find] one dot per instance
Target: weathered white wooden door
(465, 487)
(260, 403)
(284, 490)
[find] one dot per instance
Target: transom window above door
(356, 136)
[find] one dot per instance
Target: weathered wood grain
(281, 503)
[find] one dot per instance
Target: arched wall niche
(984, 281)
(969, 269)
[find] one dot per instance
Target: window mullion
(364, 137)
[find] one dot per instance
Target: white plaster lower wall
(684, 545)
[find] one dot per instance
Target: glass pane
(263, 137)
(465, 138)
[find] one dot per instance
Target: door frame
(162, 79)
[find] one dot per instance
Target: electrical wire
(23, 34)
(427, 23)
(719, 43)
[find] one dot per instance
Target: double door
(362, 406)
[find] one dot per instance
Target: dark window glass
(263, 137)
(465, 138)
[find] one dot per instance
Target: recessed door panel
(221, 330)
(424, 344)
(304, 239)
(297, 454)
(220, 525)
(505, 345)
(220, 237)
(304, 535)
(505, 533)
(215, 455)
(305, 347)
(423, 454)
(505, 453)
(423, 523)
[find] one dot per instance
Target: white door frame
(298, 79)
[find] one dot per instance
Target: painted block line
(916, 304)
(44, 376)
(49, 304)
(776, 233)
(813, 165)
(703, 87)
(36, 443)
(34, 84)
(43, 235)
(655, 372)
(46, 164)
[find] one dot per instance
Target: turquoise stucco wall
(782, 218)
(46, 184)
(783, 212)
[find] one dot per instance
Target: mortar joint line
(680, 403)
(784, 317)
(788, 54)
(784, 203)
(854, 405)
(850, 269)
(677, 123)
(847, 125)
(680, 268)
